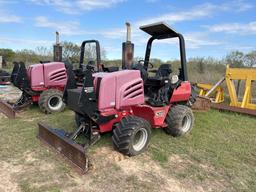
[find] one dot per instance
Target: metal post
(215, 87)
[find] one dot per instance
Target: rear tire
(132, 135)
(180, 120)
(50, 101)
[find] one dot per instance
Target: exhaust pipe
(57, 49)
(128, 49)
(129, 31)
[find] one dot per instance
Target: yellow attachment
(217, 96)
(245, 74)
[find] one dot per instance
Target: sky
(211, 28)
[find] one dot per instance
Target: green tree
(235, 59)
(27, 56)
(8, 56)
(250, 59)
(72, 51)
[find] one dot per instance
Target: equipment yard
(164, 103)
(219, 153)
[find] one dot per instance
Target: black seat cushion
(164, 71)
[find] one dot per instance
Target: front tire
(50, 101)
(180, 120)
(132, 135)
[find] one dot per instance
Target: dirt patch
(180, 163)
(2, 116)
(7, 181)
(35, 119)
(116, 172)
(105, 156)
(152, 174)
(29, 157)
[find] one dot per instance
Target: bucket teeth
(7, 109)
(57, 139)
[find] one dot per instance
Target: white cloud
(77, 6)
(199, 12)
(97, 4)
(65, 28)
(239, 5)
(198, 40)
(116, 33)
(5, 16)
(17, 41)
(241, 28)
(234, 47)
(193, 40)
(192, 14)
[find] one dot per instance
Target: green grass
(220, 150)
(223, 143)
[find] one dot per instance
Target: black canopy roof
(159, 30)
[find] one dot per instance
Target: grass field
(218, 155)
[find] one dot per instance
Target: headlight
(174, 79)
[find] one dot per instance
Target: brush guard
(64, 143)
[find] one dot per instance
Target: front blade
(73, 152)
(7, 109)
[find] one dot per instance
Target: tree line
(71, 51)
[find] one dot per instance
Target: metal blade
(7, 109)
(73, 152)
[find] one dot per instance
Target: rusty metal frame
(223, 107)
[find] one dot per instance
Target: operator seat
(163, 71)
(157, 88)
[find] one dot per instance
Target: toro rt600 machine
(129, 103)
(44, 83)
